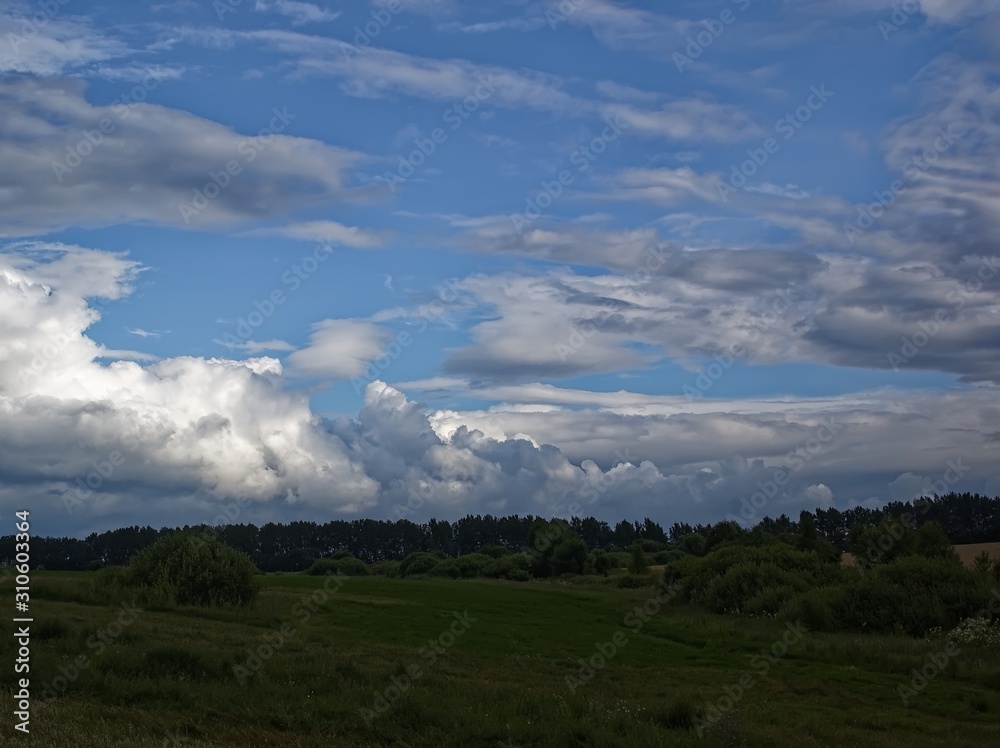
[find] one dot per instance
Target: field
(495, 675)
(967, 553)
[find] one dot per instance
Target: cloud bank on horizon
(422, 259)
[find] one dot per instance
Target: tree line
(965, 518)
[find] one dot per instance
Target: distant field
(966, 552)
(167, 678)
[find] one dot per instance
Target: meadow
(375, 661)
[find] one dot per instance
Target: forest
(964, 517)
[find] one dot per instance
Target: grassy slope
(170, 674)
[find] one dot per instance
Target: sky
(272, 260)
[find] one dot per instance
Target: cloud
(300, 13)
(617, 26)
(253, 347)
(956, 11)
(338, 349)
(375, 72)
(192, 435)
(791, 191)
(51, 44)
(331, 232)
(663, 186)
(683, 305)
(188, 434)
(432, 8)
(688, 119)
(148, 163)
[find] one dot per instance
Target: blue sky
(640, 249)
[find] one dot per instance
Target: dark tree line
(966, 518)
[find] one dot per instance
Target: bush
(665, 557)
(819, 610)
(638, 564)
(418, 563)
(447, 568)
(95, 566)
(768, 601)
(514, 567)
(915, 593)
(693, 544)
(733, 576)
(190, 568)
(634, 581)
(347, 566)
(388, 569)
(494, 551)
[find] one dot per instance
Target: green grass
(168, 678)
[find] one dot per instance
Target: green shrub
(819, 609)
(665, 557)
(418, 563)
(768, 601)
(916, 594)
(693, 544)
(494, 551)
(447, 568)
(638, 564)
(190, 568)
(347, 566)
(322, 566)
(386, 569)
(729, 578)
(515, 567)
(601, 563)
(635, 581)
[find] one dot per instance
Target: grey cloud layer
(146, 162)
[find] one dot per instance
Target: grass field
(499, 678)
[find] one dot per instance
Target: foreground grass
(168, 678)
